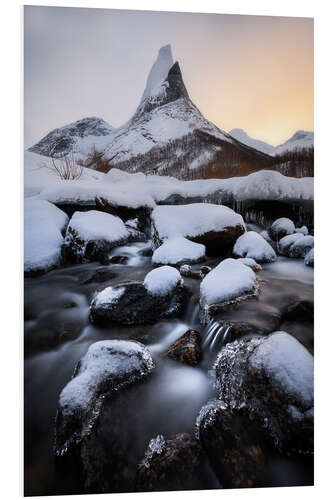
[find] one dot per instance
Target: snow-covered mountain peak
(301, 139)
(158, 73)
(242, 136)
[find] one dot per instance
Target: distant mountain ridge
(167, 135)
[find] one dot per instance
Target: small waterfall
(215, 336)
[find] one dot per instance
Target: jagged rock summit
(167, 135)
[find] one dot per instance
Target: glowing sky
(248, 72)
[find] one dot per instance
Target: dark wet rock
(127, 214)
(186, 349)
(229, 441)
(170, 464)
(205, 270)
(118, 259)
(280, 228)
(146, 252)
(270, 379)
(188, 272)
(301, 310)
(103, 374)
(132, 304)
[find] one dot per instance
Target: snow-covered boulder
(107, 368)
(230, 442)
(229, 282)
(309, 258)
(254, 246)
(215, 226)
(175, 463)
(247, 261)
(280, 228)
(301, 247)
(271, 379)
(43, 227)
(179, 250)
(92, 235)
(302, 230)
(286, 242)
(161, 295)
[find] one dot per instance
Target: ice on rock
(43, 224)
(193, 220)
(286, 242)
(178, 249)
(302, 230)
(288, 364)
(229, 280)
(163, 280)
(156, 446)
(94, 225)
(121, 362)
(301, 247)
(254, 246)
(309, 258)
(247, 261)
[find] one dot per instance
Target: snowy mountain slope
(242, 136)
(299, 140)
(167, 135)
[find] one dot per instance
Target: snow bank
(177, 250)
(288, 363)
(254, 246)
(120, 361)
(94, 226)
(227, 281)
(301, 246)
(193, 220)
(162, 281)
(43, 223)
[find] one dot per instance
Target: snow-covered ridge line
(139, 190)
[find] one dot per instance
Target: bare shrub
(97, 161)
(66, 167)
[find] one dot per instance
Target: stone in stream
(309, 258)
(254, 246)
(270, 380)
(118, 259)
(187, 271)
(176, 463)
(280, 228)
(231, 446)
(186, 349)
(105, 372)
(161, 295)
(301, 247)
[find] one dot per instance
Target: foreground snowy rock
(309, 258)
(215, 226)
(254, 246)
(229, 282)
(107, 368)
(179, 250)
(280, 228)
(43, 225)
(161, 295)
(231, 445)
(301, 247)
(271, 380)
(92, 235)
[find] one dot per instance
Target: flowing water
(58, 334)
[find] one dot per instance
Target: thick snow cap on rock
(94, 225)
(288, 363)
(108, 296)
(303, 230)
(247, 261)
(301, 246)
(121, 361)
(162, 281)
(178, 249)
(286, 242)
(282, 227)
(194, 219)
(254, 246)
(227, 281)
(43, 223)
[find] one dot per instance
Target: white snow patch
(94, 225)
(178, 249)
(302, 230)
(286, 242)
(108, 296)
(288, 363)
(254, 246)
(283, 224)
(43, 223)
(163, 280)
(247, 261)
(227, 281)
(301, 246)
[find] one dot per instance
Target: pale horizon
(248, 72)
